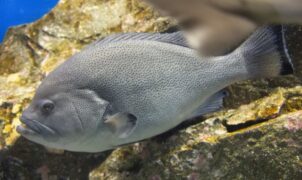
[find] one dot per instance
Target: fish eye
(47, 106)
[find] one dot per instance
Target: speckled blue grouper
(133, 86)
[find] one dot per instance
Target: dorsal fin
(173, 38)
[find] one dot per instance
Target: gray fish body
(160, 83)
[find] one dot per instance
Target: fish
(130, 87)
(217, 27)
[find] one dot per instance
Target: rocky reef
(258, 135)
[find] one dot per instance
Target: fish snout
(28, 126)
(32, 127)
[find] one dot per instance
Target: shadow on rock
(27, 160)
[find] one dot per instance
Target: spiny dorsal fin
(173, 38)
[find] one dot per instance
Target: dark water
(15, 12)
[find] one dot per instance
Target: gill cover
(89, 107)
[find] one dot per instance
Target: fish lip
(30, 125)
(34, 127)
(25, 130)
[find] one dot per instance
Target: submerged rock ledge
(257, 136)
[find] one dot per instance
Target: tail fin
(265, 53)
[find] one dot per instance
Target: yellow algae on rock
(14, 78)
(62, 50)
(11, 139)
(16, 108)
(15, 99)
(10, 132)
(265, 108)
(7, 129)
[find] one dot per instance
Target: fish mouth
(33, 127)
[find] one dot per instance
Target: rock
(257, 135)
(269, 149)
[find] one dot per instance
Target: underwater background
(258, 135)
(16, 12)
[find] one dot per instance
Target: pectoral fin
(122, 124)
